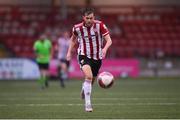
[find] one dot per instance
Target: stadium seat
(138, 31)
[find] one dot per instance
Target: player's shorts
(65, 61)
(94, 64)
(43, 66)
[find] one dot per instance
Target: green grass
(127, 99)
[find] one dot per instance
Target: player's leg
(60, 74)
(87, 86)
(64, 70)
(46, 78)
(41, 79)
(95, 66)
(65, 67)
(46, 74)
(90, 71)
(82, 61)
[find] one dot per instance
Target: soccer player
(62, 47)
(43, 51)
(90, 35)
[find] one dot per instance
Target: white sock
(82, 86)
(87, 91)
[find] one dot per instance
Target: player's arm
(35, 48)
(108, 40)
(71, 47)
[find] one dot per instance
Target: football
(105, 80)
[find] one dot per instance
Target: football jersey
(63, 47)
(90, 39)
(43, 50)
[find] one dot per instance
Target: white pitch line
(77, 93)
(98, 104)
(71, 98)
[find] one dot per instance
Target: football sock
(82, 86)
(87, 91)
(61, 81)
(46, 81)
(40, 80)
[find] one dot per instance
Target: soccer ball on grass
(105, 80)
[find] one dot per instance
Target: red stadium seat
(137, 31)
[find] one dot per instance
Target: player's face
(88, 19)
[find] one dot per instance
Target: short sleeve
(35, 46)
(104, 29)
(74, 31)
(50, 44)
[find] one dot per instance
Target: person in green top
(43, 50)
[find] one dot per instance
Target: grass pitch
(127, 99)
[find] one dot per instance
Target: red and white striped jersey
(90, 39)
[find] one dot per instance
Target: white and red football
(105, 80)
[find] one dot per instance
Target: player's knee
(88, 77)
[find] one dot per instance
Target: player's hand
(68, 57)
(104, 51)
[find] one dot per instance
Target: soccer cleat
(88, 108)
(82, 94)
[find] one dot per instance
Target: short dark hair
(87, 11)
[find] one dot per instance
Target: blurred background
(144, 58)
(144, 32)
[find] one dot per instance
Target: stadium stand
(136, 31)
